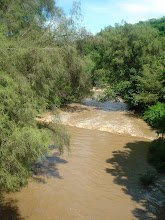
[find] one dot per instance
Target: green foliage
(108, 94)
(156, 154)
(130, 58)
(99, 77)
(157, 23)
(23, 15)
(40, 68)
(22, 147)
(58, 134)
(155, 116)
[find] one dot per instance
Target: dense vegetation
(39, 69)
(130, 58)
(157, 23)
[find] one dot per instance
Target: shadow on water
(110, 106)
(126, 166)
(9, 210)
(47, 168)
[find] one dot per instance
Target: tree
(37, 72)
(131, 60)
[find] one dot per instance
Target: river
(99, 178)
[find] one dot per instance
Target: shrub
(156, 155)
(108, 94)
(155, 116)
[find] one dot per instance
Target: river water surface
(99, 178)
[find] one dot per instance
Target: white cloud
(141, 7)
(134, 7)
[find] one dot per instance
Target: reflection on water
(99, 178)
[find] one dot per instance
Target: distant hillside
(157, 23)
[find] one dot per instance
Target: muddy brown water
(98, 179)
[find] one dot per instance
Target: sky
(98, 14)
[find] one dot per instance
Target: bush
(155, 116)
(156, 154)
(108, 95)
